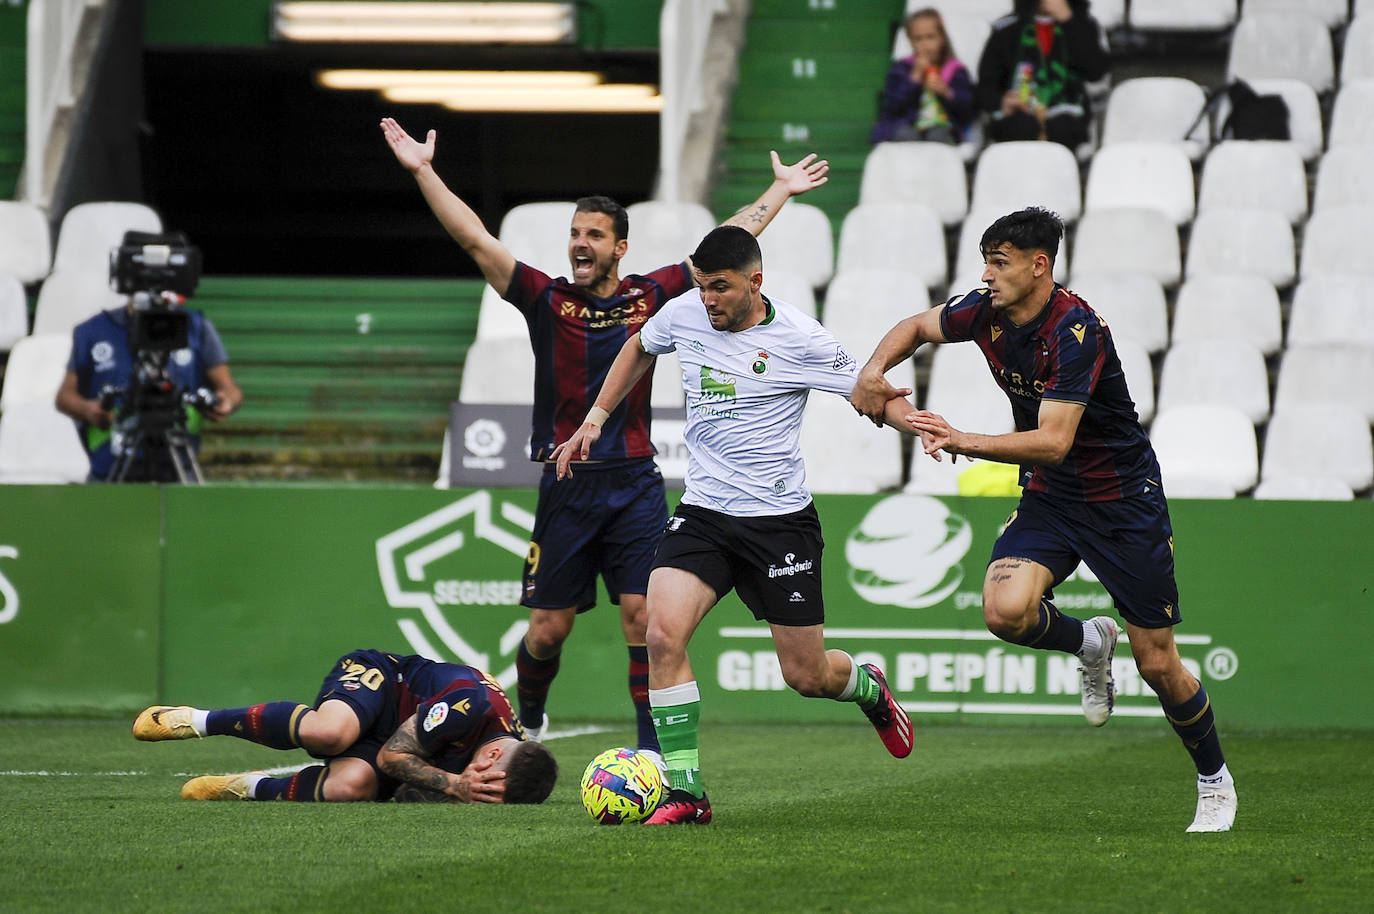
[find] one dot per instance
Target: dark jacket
(1077, 57)
(901, 100)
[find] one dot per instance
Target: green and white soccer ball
(621, 785)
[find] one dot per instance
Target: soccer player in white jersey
(746, 520)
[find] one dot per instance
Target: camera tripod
(163, 455)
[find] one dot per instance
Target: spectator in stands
(928, 95)
(1034, 70)
(102, 356)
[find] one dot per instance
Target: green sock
(676, 711)
(866, 691)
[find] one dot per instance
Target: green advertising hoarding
(254, 592)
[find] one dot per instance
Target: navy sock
(1054, 631)
(305, 786)
(532, 680)
(1193, 722)
(639, 694)
(275, 724)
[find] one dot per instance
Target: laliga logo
(404, 555)
(907, 552)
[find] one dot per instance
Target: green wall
(112, 598)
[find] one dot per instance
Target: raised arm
(629, 366)
(873, 392)
(496, 263)
(788, 182)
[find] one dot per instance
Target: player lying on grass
(386, 726)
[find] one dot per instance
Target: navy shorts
(773, 563)
(365, 679)
(605, 519)
(1128, 543)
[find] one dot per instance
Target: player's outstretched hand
(808, 174)
(936, 434)
(871, 394)
(578, 447)
(410, 153)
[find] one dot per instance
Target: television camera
(151, 442)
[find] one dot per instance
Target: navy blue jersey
(576, 336)
(1064, 353)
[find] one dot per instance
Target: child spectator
(929, 95)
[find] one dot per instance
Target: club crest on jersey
(761, 363)
(438, 713)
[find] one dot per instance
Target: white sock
(681, 694)
(253, 780)
(848, 691)
(1092, 640)
(1222, 778)
(198, 720)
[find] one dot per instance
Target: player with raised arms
(1092, 488)
(746, 521)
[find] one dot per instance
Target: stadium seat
(1128, 241)
(1131, 304)
(1110, 14)
(663, 233)
(25, 241)
(667, 391)
(967, 30)
(792, 288)
(1258, 242)
(34, 372)
(1182, 15)
(1334, 241)
(90, 230)
(844, 452)
(1205, 449)
(1291, 44)
(498, 318)
(537, 234)
(1357, 50)
(929, 173)
(1148, 175)
(1332, 13)
(1222, 372)
(67, 297)
(1255, 173)
(1229, 305)
(1344, 177)
(1302, 488)
(799, 240)
(1157, 109)
(1140, 376)
(14, 312)
(1320, 441)
(1304, 113)
(1332, 309)
(968, 259)
(962, 389)
(498, 371)
(1352, 115)
(1014, 175)
(877, 236)
(987, 10)
(861, 306)
(1327, 376)
(39, 445)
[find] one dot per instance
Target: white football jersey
(745, 395)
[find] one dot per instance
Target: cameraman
(102, 357)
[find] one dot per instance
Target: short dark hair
(530, 774)
(599, 204)
(1031, 229)
(728, 247)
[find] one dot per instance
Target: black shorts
(773, 563)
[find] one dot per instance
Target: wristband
(596, 416)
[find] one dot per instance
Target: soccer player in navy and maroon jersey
(386, 725)
(608, 522)
(1091, 483)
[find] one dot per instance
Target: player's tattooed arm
(404, 758)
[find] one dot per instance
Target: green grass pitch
(808, 818)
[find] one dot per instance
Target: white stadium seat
(862, 305)
(663, 233)
(39, 445)
(34, 372)
(1291, 44)
(90, 230)
(1141, 174)
(844, 452)
(1157, 109)
(1352, 115)
(1014, 175)
(1357, 50)
(1128, 241)
(1131, 304)
(1321, 441)
(25, 241)
(537, 234)
(498, 371)
(1332, 13)
(1304, 114)
(879, 236)
(790, 287)
(962, 390)
(67, 297)
(929, 173)
(968, 33)
(1239, 307)
(1327, 376)
(1332, 309)
(1255, 173)
(1344, 177)
(1334, 241)
(1222, 372)
(498, 318)
(1182, 15)
(1236, 240)
(799, 240)
(1205, 450)
(667, 389)
(1140, 376)
(1303, 488)
(14, 312)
